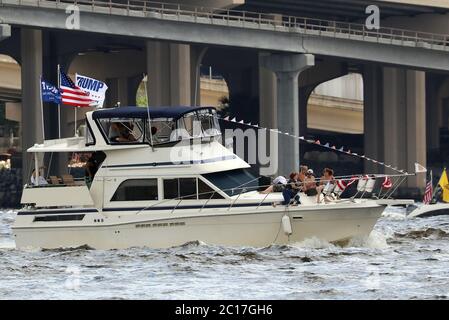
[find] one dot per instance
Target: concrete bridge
(278, 33)
(271, 61)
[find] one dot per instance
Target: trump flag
(95, 88)
(50, 93)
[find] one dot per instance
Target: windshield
(158, 130)
(233, 182)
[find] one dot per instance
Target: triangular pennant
(233, 120)
(241, 121)
(419, 168)
(327, 145)
(226, 119)
(249, 124)
(301, 138)
(333, 147)
(355, 154)
(317, 142)
(341, 149)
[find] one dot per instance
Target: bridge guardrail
(253, 20)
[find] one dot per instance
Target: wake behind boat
(166, 181)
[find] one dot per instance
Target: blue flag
(50, 93)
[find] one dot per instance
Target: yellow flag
(444, 184)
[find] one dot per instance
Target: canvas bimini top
(174, 113)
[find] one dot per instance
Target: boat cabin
(127, 156)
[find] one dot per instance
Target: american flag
(428, 193)
(71, 94)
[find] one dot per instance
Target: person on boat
(302, 176)
(41, 181)
(327, 182)
(92, 165)
(154, 136)
(90, 170)
(290, 192)
(309, 187)
(277, 185)
(122, 133)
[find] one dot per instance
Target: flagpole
(76, 108)
(42, 108)
(59, 104)
(145, 82)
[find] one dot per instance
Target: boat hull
(236, 227)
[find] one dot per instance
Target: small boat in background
(431, 207)
(427, 210)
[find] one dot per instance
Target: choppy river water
(402, 259)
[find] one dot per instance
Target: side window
(171, 189)
(206, 192)
(136, 190)
(187, 189)
(182, 187)
(90, 139)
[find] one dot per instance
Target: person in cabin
(326, 184)
(41, 181)
(121, 132)
(154, 136)
(92, 165)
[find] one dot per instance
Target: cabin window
(136, 190)
(205, 117)
(90, 139)
(188, 189)
(121, 130)
(161, 130)
(184, 188)
(206, 192)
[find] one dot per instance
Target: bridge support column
(404, 102)
(287, 69)
(169, 73)
(31, 58)
(373, 116)
(196, 56)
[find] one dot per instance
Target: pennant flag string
(317, 142)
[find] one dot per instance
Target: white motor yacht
(167, 182)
